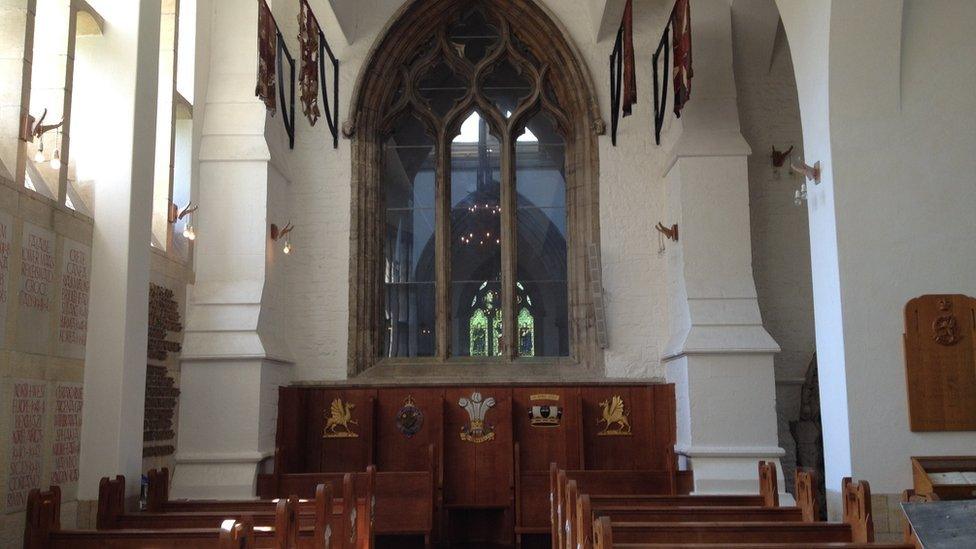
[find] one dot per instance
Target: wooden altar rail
(43, 531)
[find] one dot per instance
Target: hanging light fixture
(56, 157)
(39, 155)
(277, 234)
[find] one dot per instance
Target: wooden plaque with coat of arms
(940, 357)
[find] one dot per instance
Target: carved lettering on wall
(67, 433)
(73, 318)
(25, 440)
(5, 235)
(161, 390)
(164, 317)
(36, 294)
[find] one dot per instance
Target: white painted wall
(885, 109)
(904, 148)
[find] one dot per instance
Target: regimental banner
(36, 292)
(66, 439)
(73, 316)
(6, 230)
(25, 438)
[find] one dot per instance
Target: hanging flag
(308, 76)
(681, 21)
(267, 52)
(630, 72)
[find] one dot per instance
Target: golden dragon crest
(337, 425)
(614, 414)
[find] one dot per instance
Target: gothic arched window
(475, 184)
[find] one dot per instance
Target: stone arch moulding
(373, 107)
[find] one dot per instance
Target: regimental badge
(545, 416)
(478, 429)
(614, 414)
(945, 330)
(339, 422)
(409, 419)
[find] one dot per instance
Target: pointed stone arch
(564, 90)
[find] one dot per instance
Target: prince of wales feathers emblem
(477, 429)
(337, 425)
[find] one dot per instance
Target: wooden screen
(494, 481)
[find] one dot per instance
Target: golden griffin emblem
(614, 414)
(337, 425)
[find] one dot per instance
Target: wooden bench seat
(574, 527)
(43, 530)
(405, 500)
(857, 528)
(826, 545)
(324, 517)
(720, 532)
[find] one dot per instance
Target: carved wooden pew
(405, 501)
(586, 512)
(563, 510)
(43, 530)
(359, 487)
(856, 529)
(319, 520)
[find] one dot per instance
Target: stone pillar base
(216, 477)
(722, 472)
(228, 412)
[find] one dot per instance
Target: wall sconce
(277, 234)
(811, 173)
(175, 214)
(670, 233)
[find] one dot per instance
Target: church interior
(487, 273)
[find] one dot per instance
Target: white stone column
(115, 357)
(719, 356)
(233, 356)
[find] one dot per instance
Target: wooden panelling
(396, 451)
(482, 490)
(340, 450)
(541, 444)
(940, 356)
(478, 474)
(605, 450)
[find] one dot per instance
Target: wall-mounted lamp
(811, 173)
(175, 214)
(670, 233)
(277, 234)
